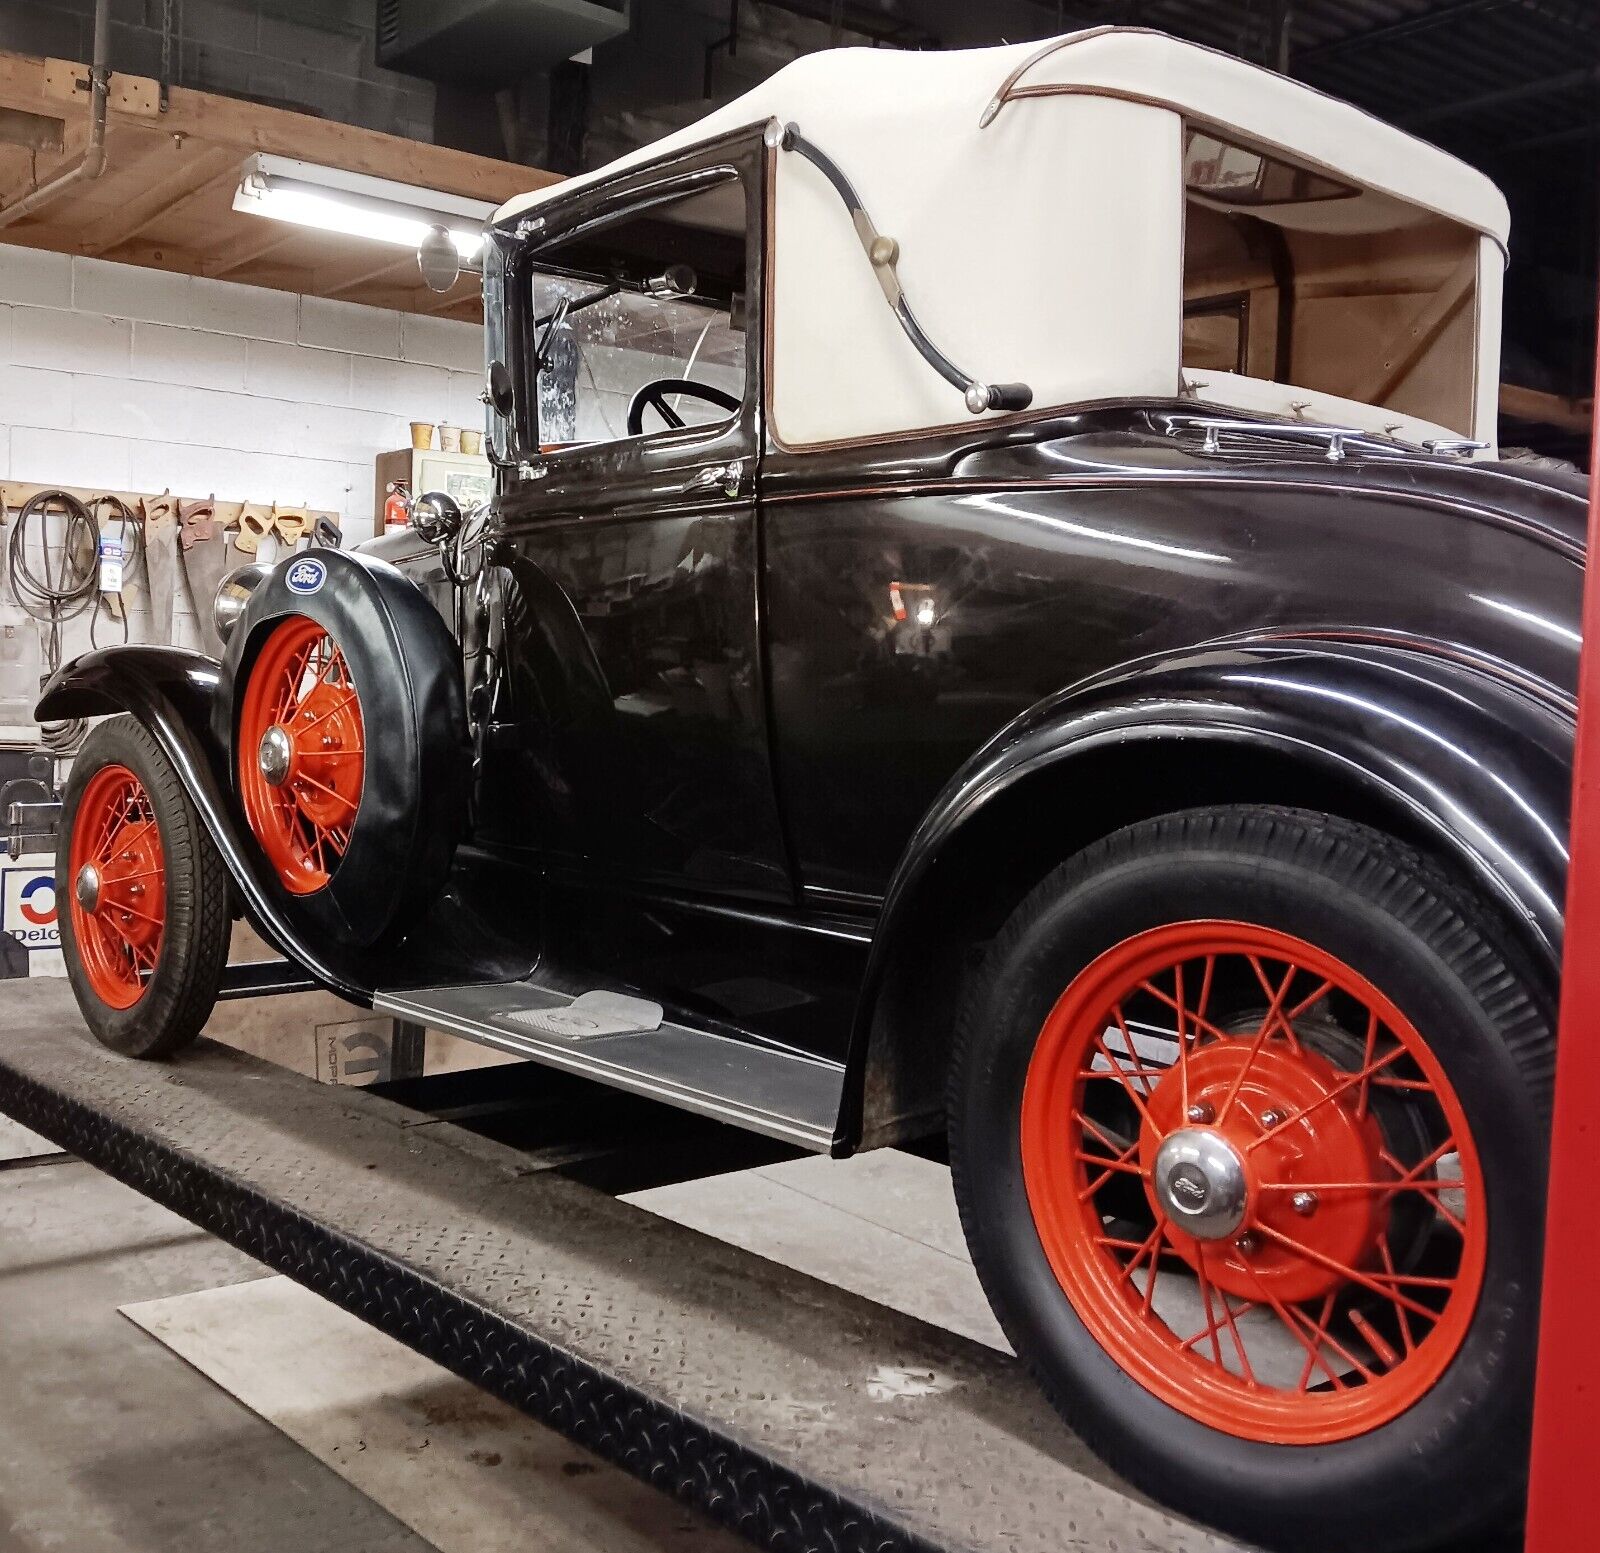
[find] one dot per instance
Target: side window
(1291, 277)
(639, 326)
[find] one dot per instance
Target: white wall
(118, 378)
(133, 379)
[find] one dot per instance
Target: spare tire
(342, 709)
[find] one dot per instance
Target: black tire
(182, 988)
(406, 669)
(1453, 1462)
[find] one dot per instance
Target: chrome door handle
(724, 477)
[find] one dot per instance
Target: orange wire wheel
(302, 753)
(1254, 1182)
(118, 883)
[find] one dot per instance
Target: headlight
(233, 593)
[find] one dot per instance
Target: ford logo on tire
(307, 576)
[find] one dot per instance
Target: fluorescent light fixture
(357, 204)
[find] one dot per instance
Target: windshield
(602, 353)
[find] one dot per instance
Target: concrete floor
(107, 1440)
(110, 1440)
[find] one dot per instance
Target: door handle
(723, 477)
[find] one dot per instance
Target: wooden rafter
(377, 263)
(164, 199)
(190, 180)
(252, 243)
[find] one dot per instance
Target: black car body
(774, 738)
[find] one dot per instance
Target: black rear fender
(1473, 770)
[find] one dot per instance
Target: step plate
(779, 1093)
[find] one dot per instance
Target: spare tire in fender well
(406, 668)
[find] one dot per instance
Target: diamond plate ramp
(802, 1416)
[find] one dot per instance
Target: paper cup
(450, 439)
(471, 441)
(421, 435)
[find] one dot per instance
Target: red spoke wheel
(1269, 1178)
(144, 899)
(116, 878)
(302, 753)
(1248, 1111)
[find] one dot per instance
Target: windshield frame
(529, 237)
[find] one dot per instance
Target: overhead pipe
(92, 162)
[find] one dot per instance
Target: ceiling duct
(491, 42)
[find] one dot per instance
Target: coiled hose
(66, 583)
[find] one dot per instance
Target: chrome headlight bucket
(233, 594)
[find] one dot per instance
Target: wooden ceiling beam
(185, 261)
(337, 280)
(52, 86)
(167, 197)
(258, 239)
(462, 298)
(163, 202)
(253, 127)
(419, 300)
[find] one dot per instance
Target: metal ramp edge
(799, 1415)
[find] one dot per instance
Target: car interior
(1293, 277)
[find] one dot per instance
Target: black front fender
(1475, 767)
(174, 692)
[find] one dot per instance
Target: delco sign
(30, 907)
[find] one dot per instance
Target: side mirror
(436, 517)
(439, 260)
(500, 391)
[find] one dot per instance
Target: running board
(781, 1093)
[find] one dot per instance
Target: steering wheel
(654, 395)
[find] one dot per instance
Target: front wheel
(144, 912)
(1248, 1121)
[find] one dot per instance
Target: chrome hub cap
(274, 755)
(1201, 1183)
(87, 888)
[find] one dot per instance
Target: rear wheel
(1248, 1130)
(145, 914)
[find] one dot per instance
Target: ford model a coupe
(1003, 620)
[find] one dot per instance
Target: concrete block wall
(137, 379)
(132, 379)
(315, 56)
(120, 378)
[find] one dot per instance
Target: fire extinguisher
(397, 506)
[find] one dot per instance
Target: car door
(631, 735)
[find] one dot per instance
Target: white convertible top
(840, 96)
(1054, 227)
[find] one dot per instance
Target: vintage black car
(1003, 624)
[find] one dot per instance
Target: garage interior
(203, 386)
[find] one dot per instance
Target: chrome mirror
(439, 260)
(436, 517)
(499, 395)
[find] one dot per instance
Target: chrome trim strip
(1194, 480)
